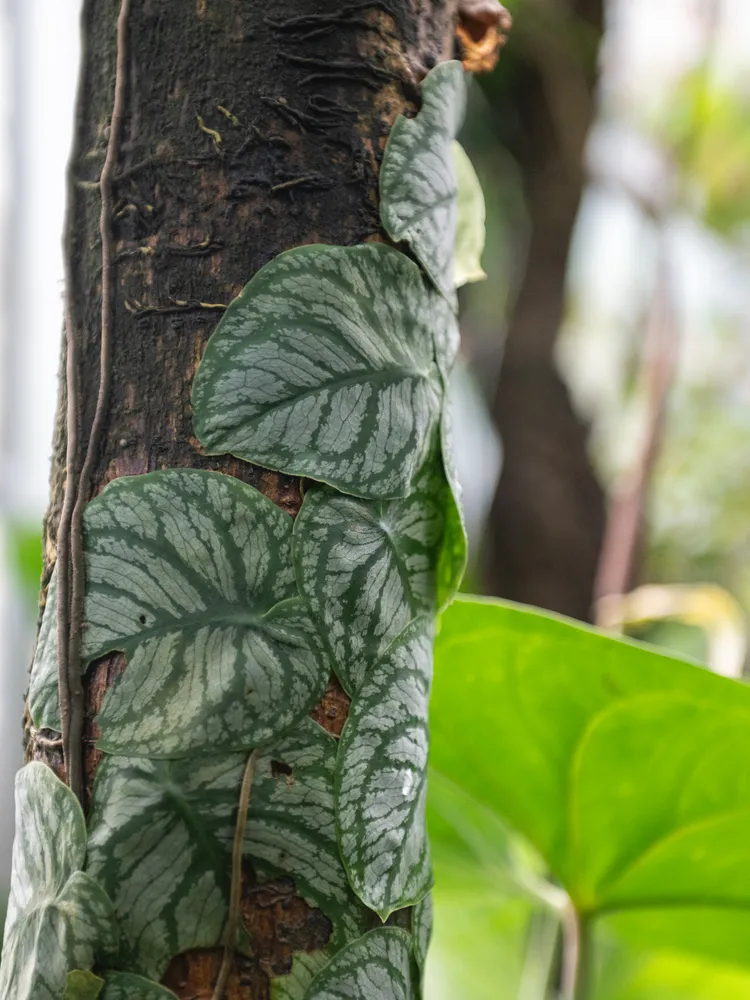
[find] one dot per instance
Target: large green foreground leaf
(59, 918)
(418, 185)
(324, 367)
(189, 574)
(618, 763)
(368, 568)
(379, 966)
(381, 778)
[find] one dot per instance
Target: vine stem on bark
(72, 574)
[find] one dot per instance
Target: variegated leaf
(418, 187)
(157, 842)
(305, 966)
(189, 574)
(381, 777)
(291, 827)
(324, 367)
(59, 918)
(470, 232)
(82, 985)
(377, 967)
(421, 930)
(368, 568)
(124, 986)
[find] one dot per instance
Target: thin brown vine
(70, 556)
(235, 893)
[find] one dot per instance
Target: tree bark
(250, 128)
(547, 520)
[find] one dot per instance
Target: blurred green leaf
(617, 762)
(673, 976)
(25, 555)
(470, 235)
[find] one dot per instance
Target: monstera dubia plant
(227, 711)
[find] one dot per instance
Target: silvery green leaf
(305, 966)
(324, 367)
(189, 574)
(124, 986)
(43, 698)
(368, 568)
(157, 842)
(381, 777)
(454, 553)
(59, 918)
(421, 929)
(82, 985)
(470, 233)
(418, 188)
(377, 967)
(291, 826)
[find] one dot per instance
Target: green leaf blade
(324, 367)
(418, 185)
(82, 985)
(624, 768)
(291, 827)
(158, 831)
(369, 568)
(190, 575)
(377, 966)
(124, 986)
(381, 779)
(470, 233)
(59, 918)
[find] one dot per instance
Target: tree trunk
(547, 520)
(250, 128)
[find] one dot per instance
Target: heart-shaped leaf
(624, 761)
(378, 966)
(59, 919)
(190, 575)
(368, 568)
(161, 834)
(291, 827)
(324, 367)
(418, 186)
(381, 778)
(470, 234)
(124, 986)
(157, 841)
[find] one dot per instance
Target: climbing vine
(331, 365)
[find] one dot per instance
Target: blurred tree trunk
(250, 128)
(548, 515)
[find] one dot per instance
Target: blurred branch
(627, 508)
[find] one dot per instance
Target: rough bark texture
(251, 127)
(548, 516)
